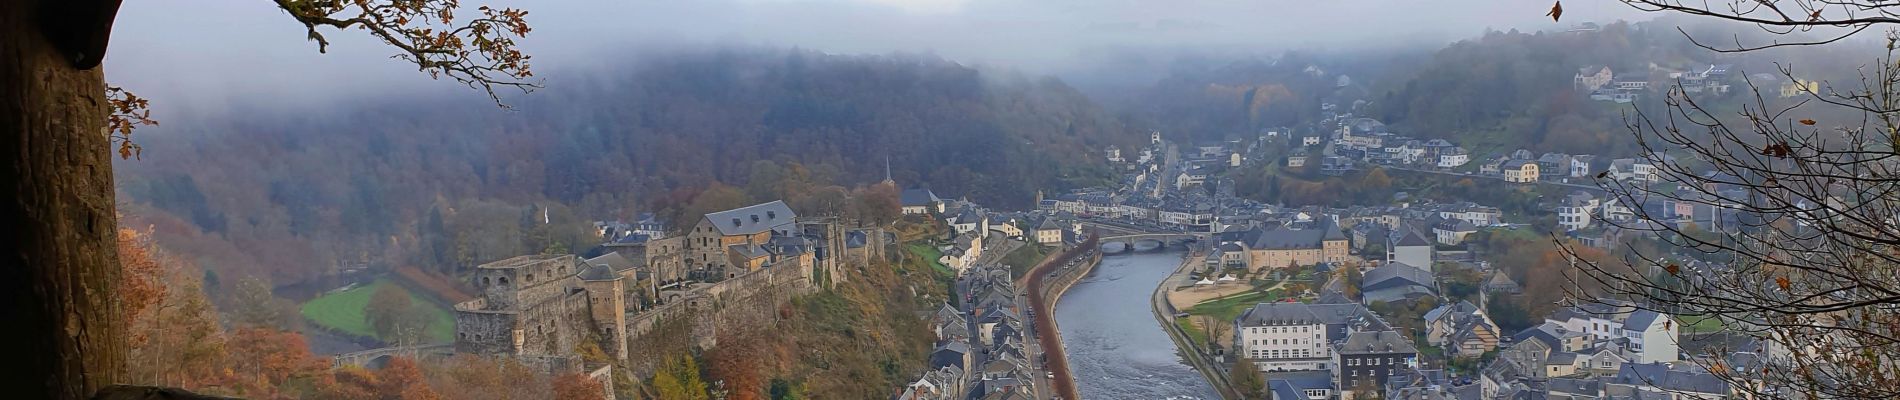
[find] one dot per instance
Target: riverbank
(1164, 312)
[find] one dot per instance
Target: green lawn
(343, 311)
(1230, 306)
(1195, 335)
(930, 255)
(1024, 258)
(1699, 324)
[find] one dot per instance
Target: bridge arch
(1130, 243)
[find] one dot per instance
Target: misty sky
(208, 54)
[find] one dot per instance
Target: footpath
(1164, 312)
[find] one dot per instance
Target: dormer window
(735, 222)
(755, 218)
(771, 215)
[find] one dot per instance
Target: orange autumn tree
(400, 379)
(173, 337)
(263, 359)
(62, 123)
(577, 387)
(139, 285)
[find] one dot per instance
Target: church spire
(887, 170)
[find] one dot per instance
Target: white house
(1576, 211)
(1580, 165)
(1615, 211)
(1653, 336)
(1632, 169)
(1283, 336)
(1190, 178)
(1453, 158)
(1409, 248)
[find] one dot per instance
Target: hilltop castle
(731, 266)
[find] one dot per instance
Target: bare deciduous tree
(1799, 251)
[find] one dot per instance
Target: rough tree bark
(58, 254)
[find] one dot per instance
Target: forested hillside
(1504, 90)
(446, 182)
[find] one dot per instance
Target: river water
(1116, 348)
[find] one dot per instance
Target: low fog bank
(207, 57)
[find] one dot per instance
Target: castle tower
(607, 305)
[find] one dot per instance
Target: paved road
(1064, 385)
(1592, 187)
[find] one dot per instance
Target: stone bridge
(1127, 243)
(375, 357)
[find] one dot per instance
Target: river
(1116, 348)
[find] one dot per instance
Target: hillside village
(1359, 301)
(1330, 343)
(1335, 338)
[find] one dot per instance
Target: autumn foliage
(577, 387)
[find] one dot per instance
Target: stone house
(1520, 171)
(728, 243)
(1279, 248)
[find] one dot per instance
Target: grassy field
(1194, 333)
(1024, 258)
(1698, 324)
(343, 311)
(1226, 308)
(930, 255)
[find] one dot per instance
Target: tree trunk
(60, 263)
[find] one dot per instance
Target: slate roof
(612, 260)
(1665, 377)
(747, 251)
(598, 272)
(1287, 239)
(1265, 314)
(1462, 307)
(1642, 319)
(1394, 274)
(1411, 237)
(1381, 342)
(1588, 387)
(918, 197)
(1283, 390)
(1561, 358)
(1302, 380)
(949, 354)
(753, 219)
(1550, 333)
